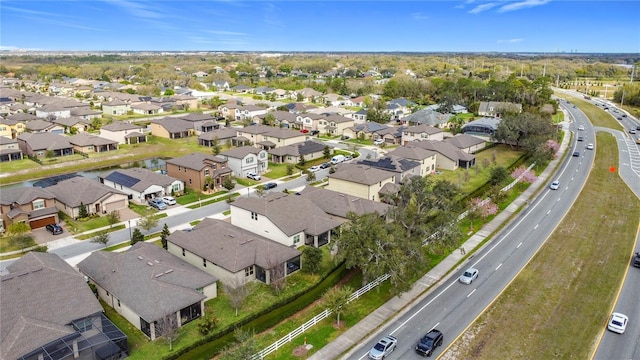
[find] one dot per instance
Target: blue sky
(414, 26)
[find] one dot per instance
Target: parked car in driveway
(169, 200)
(158, 204)
(384, 347)
(469, 275)
(253, 176)
(54, 229)
(428, 343)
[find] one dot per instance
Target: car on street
(324, 165)
(314, 168)
(589, 146)
(157, 203)
(253, 176)
(618, 323)
(632, 131)
(580, 138)
(384, 347)
(348, 157)
(169, 200)
(54, 229)
(636, 259)
(270, 185)
(428, 343)
(555, 185)
(469, 275)
(581, 127)
(576, 153)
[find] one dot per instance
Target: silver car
(469, 275)
(384, 347)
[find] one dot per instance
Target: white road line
(499, 266)
(535, 227)
(519, 245)
(548, 211)
(471, 293)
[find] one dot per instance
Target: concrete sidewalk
(370, 327)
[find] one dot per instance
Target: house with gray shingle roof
(287, 219)
(40, 144)
(31, 205)
(360, 180)
(9, 149)
(246, 159)
(75, 122)
(142, 184)
(222, 136)
(403, 168)
(426, 158)
(123, 132)
(47, 311)
(41, 126)
(449, 156)
(249, 111)
(368, 129)
(391, 135)
(86, 113)
(232, 254)
(426, 117)
(467, 143)
(146, 283)
(97, 198)
(195, 169)
(53, 111)
(171, 128)
(291, 153)
(116, 107)
(147, 108)
(421, 132)
(340, 204)
(483, 126)
(87, 143)
(202, 123)
(268, 137)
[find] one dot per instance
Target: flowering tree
(481, 209)
(525, 175)
(552, 147)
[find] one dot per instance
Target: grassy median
(558, 305)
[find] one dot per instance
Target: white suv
(253, 176)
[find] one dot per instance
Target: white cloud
(510, 41)
(483, 7)
(419, 16)
(522, 5)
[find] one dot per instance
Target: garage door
(35, 224)
(116, 205)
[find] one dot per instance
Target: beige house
(426, 158)
(421, 132)
(448, 157)
(360, 180)
(74, 193)
(86, 143)
(467, 143)
(32, 205)
(267, 137)
(123, 133)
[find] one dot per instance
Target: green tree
(311, 176)
(101, 237)
(228, 183)
(337, 300)
(164, 234)
(301, 160)
(245, 347)
(326, 152)
(259, 190)
(208, 183)
(311, 258)
(137, 236)
(498, 174)
(82, 211)
(148, 220)
(113, 218)
(290, 169)
(269, 119)
(215, 146)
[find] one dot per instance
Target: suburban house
(9, 149)
(197, 168)
(12, 126)
(47, 311)
(308, 94)
(467, 143)
(426, 158)
(241, 88)
(71, 194)
(171, 128)
(184, 101)
(221, 85)
(391, 135)
(232, 254)
(87, 143)
(268, 137)
(402, 167)
(116, 107)
(74, 122)
(149, 286)
(421, 132)
(360, 116)
(123, 133)
(146, 109)
(32, 205)
(249, 111)
(142, 184)
(291, 154)
(86, 113)
(41, 126)
(228, 109)
(334, 124)
(427, 117)
(360, 180)
(482, 127)
(282, 119)
(222, 136)
(339, 205)
(366, 130)
(498, 108)
(449, 156)
(201, 123)
(287, 219)
(38, 145)
(53, 112)
(246, 159)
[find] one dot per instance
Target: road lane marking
(519, 245)
(471, 293)
(499, 266)
(535, 227)
(548, 211)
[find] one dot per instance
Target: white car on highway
(469, 275)
(618, 323)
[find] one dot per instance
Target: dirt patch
(300, 351)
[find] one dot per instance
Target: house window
(83, 325)
(206, 172)
(189, 181)
(204, 262)
(89, 147)
(176, 187)
(248, 160)
(248, 271)
(296, 239)
(183, 254)
(107, 293)
(38, 204)
(118, 303)
(179, 168)
(200, 290)
(254, 216)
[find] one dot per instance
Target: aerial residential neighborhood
(175, 210)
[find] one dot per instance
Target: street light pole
(130, 236)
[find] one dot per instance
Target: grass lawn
(534, 318)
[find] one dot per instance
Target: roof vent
(150, 263)
(140, 257)
(168, 271)
(158, 275)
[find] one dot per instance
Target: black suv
(429, 342)
(636, 259)
(55, 229)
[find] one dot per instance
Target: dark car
(580, 138)
(324, 165)
(55, 229)
(157, 203)
(576, 153)
(270, 185)
(429, 342)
